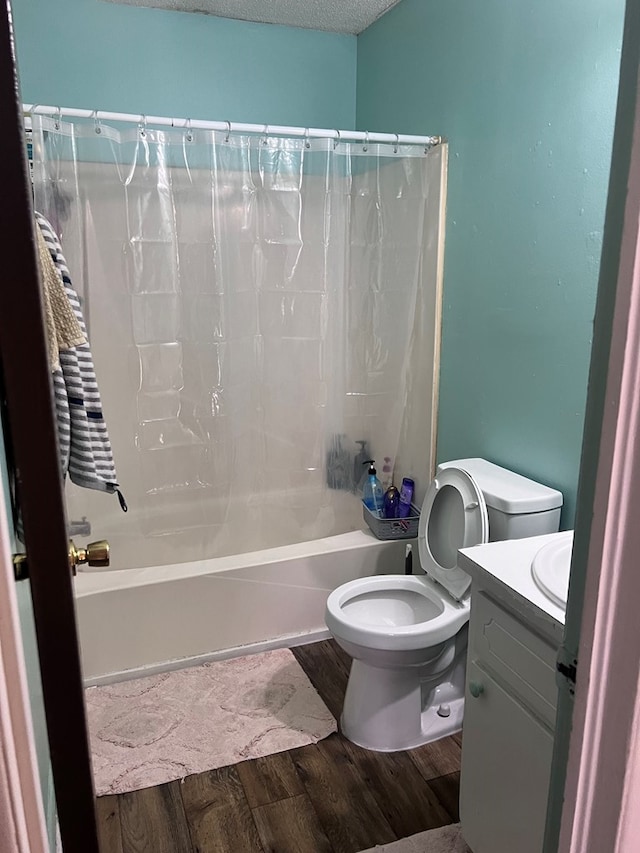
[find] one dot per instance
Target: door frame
(597, 812)
(32, 440)
(22, 823)
(597, 748)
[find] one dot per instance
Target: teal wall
(98, 55)
(526, 94)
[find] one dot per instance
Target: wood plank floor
(329, 797)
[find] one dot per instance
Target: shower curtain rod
(234, 127)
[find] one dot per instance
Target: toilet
(407, 634)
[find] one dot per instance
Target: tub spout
(80, 528)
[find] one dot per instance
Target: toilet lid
(453, 516)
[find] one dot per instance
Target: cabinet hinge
(20, 567)
(567, 669)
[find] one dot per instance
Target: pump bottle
(373, 494)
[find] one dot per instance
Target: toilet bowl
(398, 630)
(407, 634)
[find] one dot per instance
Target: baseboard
(286, 642)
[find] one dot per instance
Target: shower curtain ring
(365, 147)
(307, 144)
(228, 123)
(142, 126)
(58, 119)
(28, 117)
(264, 135)
(337, 140)
(96, 122)
(395, 147)
(188, 134)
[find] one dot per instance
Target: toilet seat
(394, 612)
(454, 515)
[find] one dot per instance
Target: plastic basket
(393, 528)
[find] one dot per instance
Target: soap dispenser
(373, 495)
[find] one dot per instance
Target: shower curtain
(256, 306)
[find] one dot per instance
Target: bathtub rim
(296, 571)
(92, 582)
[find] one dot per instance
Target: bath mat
(445, 839)
(168, 726)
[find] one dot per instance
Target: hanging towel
(85, 449)
(62, 326)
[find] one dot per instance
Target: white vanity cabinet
(509, 718)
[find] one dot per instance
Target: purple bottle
(391, 503)
(406, 496)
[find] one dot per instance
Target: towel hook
(96, 122)
(307, 144)
(365, 147)
(226, 139)
(337, 140)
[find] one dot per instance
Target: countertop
(504, 570)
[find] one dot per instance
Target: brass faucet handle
(95, 554)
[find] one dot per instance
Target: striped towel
(85, 449)
(61, 323)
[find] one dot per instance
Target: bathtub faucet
(80, 528)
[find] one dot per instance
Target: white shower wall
(239, 317)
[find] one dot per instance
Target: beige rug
(168, 726)
(446, 839)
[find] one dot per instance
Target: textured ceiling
(340, 16)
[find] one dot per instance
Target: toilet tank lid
(504, 490)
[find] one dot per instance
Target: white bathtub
(137, 622)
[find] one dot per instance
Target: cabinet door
(506, 762)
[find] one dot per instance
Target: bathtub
(136, 622)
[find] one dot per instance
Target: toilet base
(388, 710)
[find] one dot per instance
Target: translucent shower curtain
(256, 306)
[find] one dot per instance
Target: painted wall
(526, 94)
(94, 54)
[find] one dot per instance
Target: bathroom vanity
(515, 632)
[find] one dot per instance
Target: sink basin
(550, 568)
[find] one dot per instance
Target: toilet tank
(517, 507)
